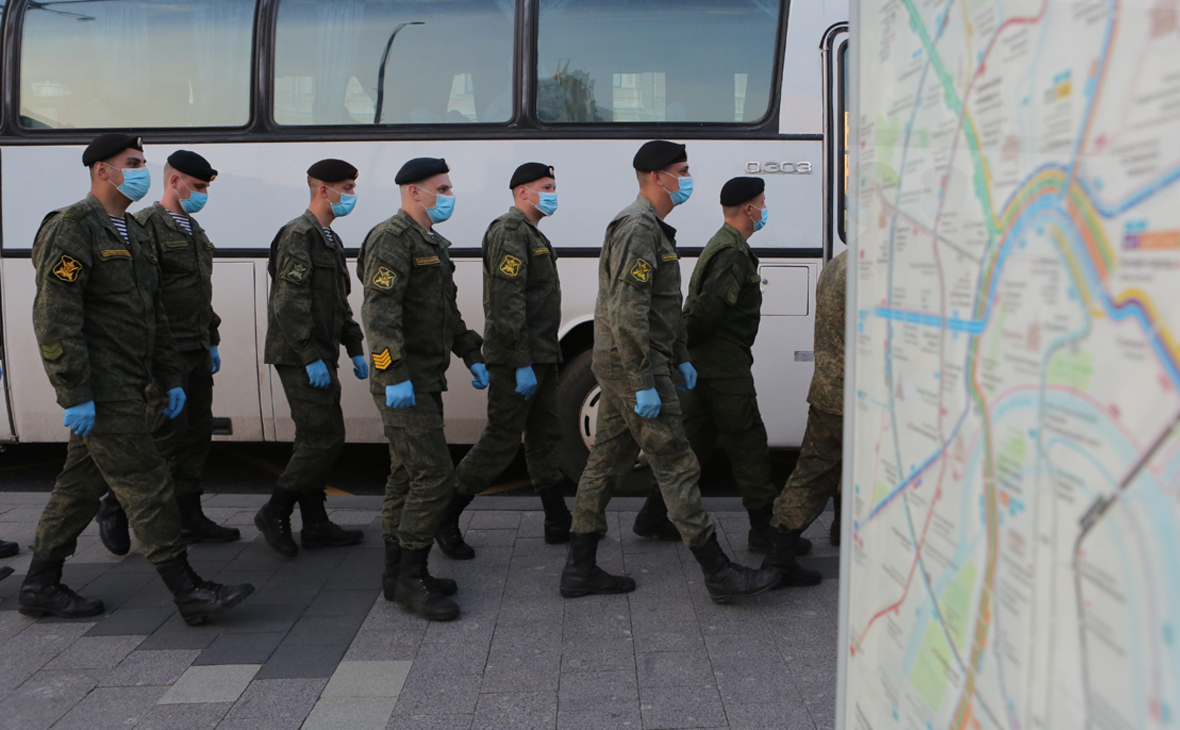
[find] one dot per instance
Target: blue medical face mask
(195, 200)
(761, 222)
(346, 204)
(546, 202)
(136, 181)
(685, 191)
(444, 206)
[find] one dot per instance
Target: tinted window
(137, 63)
(449, 62)
(655, 60)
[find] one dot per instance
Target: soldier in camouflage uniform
(413, 323)
(99, 320)
(522, 310)
(722, 314)
(308, 319)
(639, 339)
(816, 477)
(186, 288)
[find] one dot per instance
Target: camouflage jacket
(308, 317)
(827, 385)
(724, 307)
(186, 271)
(638, 329)
(98, 314)
(410, 313)
(521, 293)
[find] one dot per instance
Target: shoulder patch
(67, 269)
(510, 265)
(641, 271)
(382, 360)
(384, 279)
(296, 272)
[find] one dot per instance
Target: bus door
(836, 121)
(236, 404)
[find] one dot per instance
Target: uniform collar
(105, 218)
(736, 235)
(648, 209)
(431, 237)
(319, 229)
(520, 215)
(169, 221)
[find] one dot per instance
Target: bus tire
(577, 394)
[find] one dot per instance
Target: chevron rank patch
(510, 265)
(67, 269)
(641, 271)
(51, 352)
(382, 360)
(384, 278)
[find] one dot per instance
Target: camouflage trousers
(620, 434)
(184, 441)
(724, 413)
(118, 453)
(421, 473)
(510, 415)
(319, 430)
(816, 477)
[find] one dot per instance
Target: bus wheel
(577, 410)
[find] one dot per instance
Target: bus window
(406, 62)
(655, 61)
(136, 64)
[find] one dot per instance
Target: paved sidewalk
(318, 647)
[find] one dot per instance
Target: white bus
(264, 88)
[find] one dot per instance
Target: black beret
(741, 190)
(106, 146)
(420, 168)
(528, 172)
(190, 163)
(331, 171)
(658, 154)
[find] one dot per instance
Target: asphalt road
(251, 468)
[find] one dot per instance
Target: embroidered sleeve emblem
(67, 269)
(296, 272)
(382, 360)
(641, 271)
(510, 265)
(384, 279)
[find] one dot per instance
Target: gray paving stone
(431, 694)
(111, 708)
(279, 699)
(516, 710)
(385, 645)
(253, 617)
(451, 658)
(608, 718)
(241, 648)
(598, 691)
(262, 723)
(494, 521)
(388, 616)
(149, 667)
(132, 621)
(12, 623)
(531, 612)
(680, 707)
(210, 684)
(793, 715)
(598, 655)
(342, 603)
(522, 670)
(367, 679)
(490, 538)
(354, 713)
(176, 634)
(429, 722)
(324, 630)
(43, 698)
(115, 589)
(674, 669)
(468, 629)
(754, 684)
(37, 645)
(652, 638)
(202, 716)
(742, 650)
(95, 652)
(302, 661)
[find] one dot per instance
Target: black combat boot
(196, 527)
(726, 580)
(8, 549)
(416, 592)
(783, 549)
(834, 532)
(274, 521)
(449, 536)
(112, 525)
(652, 520)
(758, 540)
(197, 599)
(393, 559)
(557, 516)
(320, 532)
(582, 576)
(43, 594)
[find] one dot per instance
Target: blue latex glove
(526, 381)
(690, 377)
(400, 395)
(317, 373)
(481, 376)
(175, 402)
(80, 418)
(648, 405)
(216, 358)
(360, 368)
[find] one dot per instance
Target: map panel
(1015, 542)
